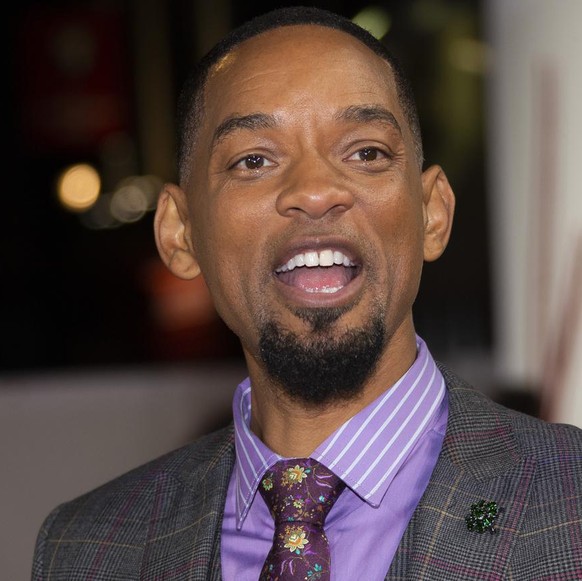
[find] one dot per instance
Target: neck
(292, 428)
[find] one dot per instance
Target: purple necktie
(299, 494)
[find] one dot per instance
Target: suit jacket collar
(480, 459)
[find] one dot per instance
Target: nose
(315, 189)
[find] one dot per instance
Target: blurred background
(106, 360)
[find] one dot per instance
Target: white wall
(64, 434)
(534, 153)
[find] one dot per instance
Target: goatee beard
(324, 367)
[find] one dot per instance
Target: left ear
(438, 210)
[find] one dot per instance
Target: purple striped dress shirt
(385, 454)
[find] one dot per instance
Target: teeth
(325, 289)
(310, 259)
(326, 258)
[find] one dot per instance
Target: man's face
(304, 158)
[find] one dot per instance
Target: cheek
(225, 247)
(397, 215)
(401, 230)
(228, 295)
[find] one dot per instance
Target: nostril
(315, 204)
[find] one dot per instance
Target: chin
(323, 366)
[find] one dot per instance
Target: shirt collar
(366, 451)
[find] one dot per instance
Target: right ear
(172, 231)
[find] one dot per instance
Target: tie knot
(301, 490)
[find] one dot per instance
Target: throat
(282, 423)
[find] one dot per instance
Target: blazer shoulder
(555, 448)
(120, 511)
(184, 466)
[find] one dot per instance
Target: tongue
(318, 278)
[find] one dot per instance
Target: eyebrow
(254, 121)
(369, 113)
(251, 122)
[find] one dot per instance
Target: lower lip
(311, 298)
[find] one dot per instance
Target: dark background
(77, 295)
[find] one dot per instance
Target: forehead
(302, 67)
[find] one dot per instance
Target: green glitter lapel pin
(482, 516)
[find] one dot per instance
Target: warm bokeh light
(148, 185)
(129, 201)
(78, 187)
(128, 204)
(375, 20)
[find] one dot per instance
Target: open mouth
(325, 271)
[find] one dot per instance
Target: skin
(325, 180)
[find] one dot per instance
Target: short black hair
(191, 101)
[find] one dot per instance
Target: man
(303, 202)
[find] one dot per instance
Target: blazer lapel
(185, 528)
(480, 460)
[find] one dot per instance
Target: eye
(252, 162)
(368, 154)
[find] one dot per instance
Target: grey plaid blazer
(163, 521)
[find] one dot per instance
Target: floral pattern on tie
(299, 494)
